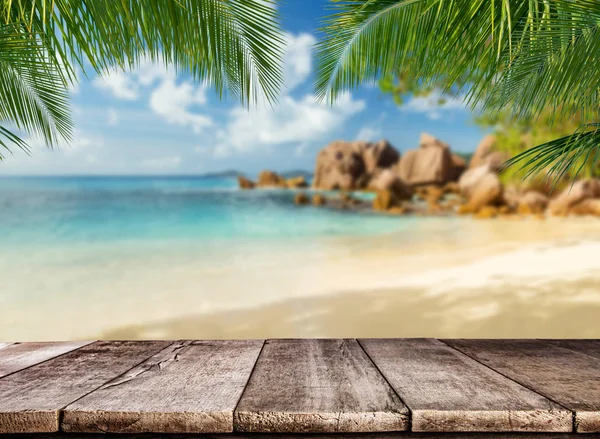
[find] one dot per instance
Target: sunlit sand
(449, 277)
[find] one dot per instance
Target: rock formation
(245, 183)
(301, 199)
(296, 182)
(388, 180)
(319, 200)
(431, 163)
(481, 187)
(385, 200)
(485, 154)
(270, 179)
(351, 165)
(532, 202)
(572, 195)
(589, 206)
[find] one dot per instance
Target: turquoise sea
(76, 210)
(85, 257)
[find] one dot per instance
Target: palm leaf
(524, 55)
(236, 45)
(33, 96)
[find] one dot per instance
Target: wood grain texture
(19, 356)
(588, 347)
(396, 435)
(189, 387)
(569, 378)
(30, 400)
(318, 386)
(447, 391)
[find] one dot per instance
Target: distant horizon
(201, 175)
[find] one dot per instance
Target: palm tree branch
(33, 96)
(233, 44)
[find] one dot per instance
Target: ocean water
(76, 210)
(85, 257)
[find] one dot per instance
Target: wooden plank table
(565, 376)
(318, 386)
(373, 388)
(170, 393)
(32, 400)
(449, 391)
(19, 356)
(587, 347)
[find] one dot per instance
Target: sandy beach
(542, 289)
(221, 264)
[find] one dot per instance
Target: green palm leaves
(33, 95)
(518, 55)
(235, 45)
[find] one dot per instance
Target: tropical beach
(264, 169)
(165, 257)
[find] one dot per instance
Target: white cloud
(162, 163)
(81, 141)
(368, 134)
(431, 107)
(112, 117)
(293, 121)
(297, 120)
(126, 85)
(173, 103)
(297, 59)
(75, 157)
(170, 100)
(119, 84)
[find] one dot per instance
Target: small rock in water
(245, 183)
(301, 199)
(319, 200)
(296, 182)
(271, 179)
(487, 212)
(384, 200)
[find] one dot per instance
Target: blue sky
(151, 121)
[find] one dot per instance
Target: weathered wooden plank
(30, 400)
(318, 386)
(447, 391)
(395, 435)
(20, 356)
(567, 377)
(189, 387)
(588, 347)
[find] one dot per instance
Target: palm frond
(558, 158)
(9, 139)
(235, 45)
(368, 39)
(33, 95)
(525, 55)
(553, 65)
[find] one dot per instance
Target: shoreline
(147, 288)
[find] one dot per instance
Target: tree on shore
(234, 45)
(523, 59)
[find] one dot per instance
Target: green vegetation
(527, 60)
(234, 45)
(515, 134)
